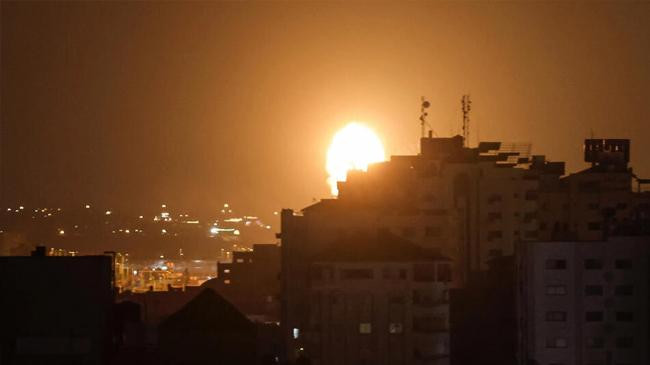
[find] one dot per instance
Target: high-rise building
(468, 204)
(584, 302)
(377, 299)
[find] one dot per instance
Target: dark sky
(196, 104)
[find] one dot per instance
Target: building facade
(584, 303)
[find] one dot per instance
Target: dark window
(625, 316)
(556, 342)
(593, 226)
(531, 195)
(356, 274)
(556, 290)
(494, 216)
(556, 316)
(625, 342)
(424, 272)
(492, 235)
(594, 316)
(623, 264)
(593, 290)
(408, 231)
(624, 290)
(433, 231)
(593, 264)
(555, 264)
(444, 273)
(595, 342)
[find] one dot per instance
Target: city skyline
(133, 104)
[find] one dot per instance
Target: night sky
(129, 105)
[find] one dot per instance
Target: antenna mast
(466, 104)
(423, 115)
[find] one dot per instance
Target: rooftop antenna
(423, 115)
(466, 103)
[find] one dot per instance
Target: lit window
(365, 328)
(395, 328)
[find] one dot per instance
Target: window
(595, 342)
(556, 290)
(356, 274)
(594, 316)
(493, 235)
(432, 231)
(593, 290)
(624, 290)
(444, 273)
(402, 273)
(624, 342)
(556, 342)
(593, 264)
(623, 264)
(555, 316)
(408, 231)
(625, 316)
(494, 216)
(555, 264)
(395, 328)
(365, 328)
(593, 226)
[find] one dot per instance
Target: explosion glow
(353, 148)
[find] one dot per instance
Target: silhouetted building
(469, 204)
(208, 329)
(483, 317)
(598, 201)
(376, 299)
(251, 281)
(584, 302)
(56, 310)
